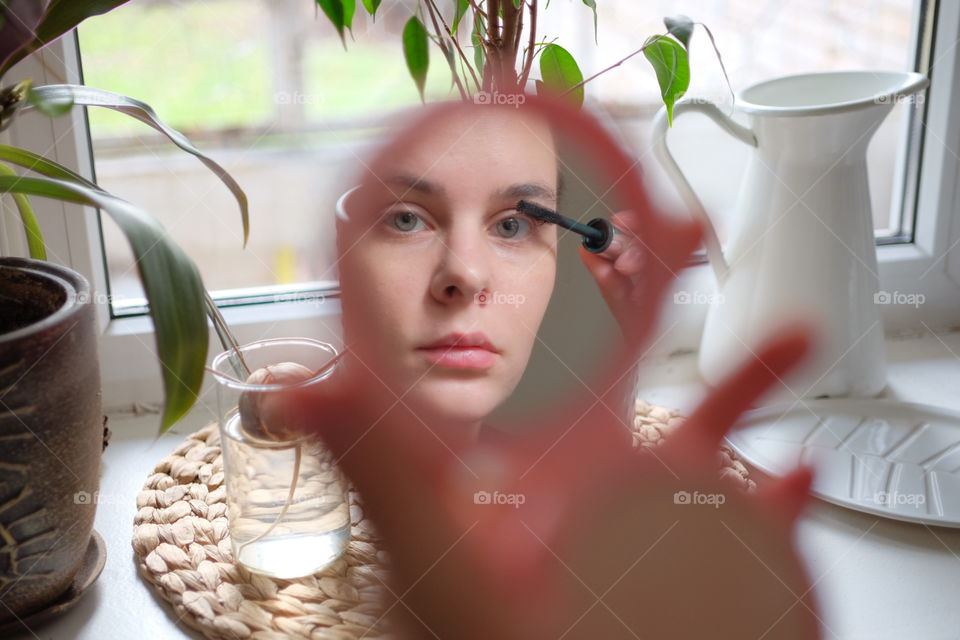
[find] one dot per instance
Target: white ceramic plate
(893, 459)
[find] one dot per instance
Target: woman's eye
(513, 227)
(405, 220)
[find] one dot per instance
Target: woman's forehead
(501, 153)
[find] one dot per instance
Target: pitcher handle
(690, 198)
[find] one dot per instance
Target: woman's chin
(455, 400)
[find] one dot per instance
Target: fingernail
(618, 244)
(630, 261)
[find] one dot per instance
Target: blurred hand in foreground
(566, 531)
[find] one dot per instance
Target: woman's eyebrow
(415, 183)
(514, 191)
(528, 190)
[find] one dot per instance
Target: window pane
(266, 89)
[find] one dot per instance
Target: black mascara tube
(600, 236)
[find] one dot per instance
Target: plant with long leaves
(502, 58)
(178, 303)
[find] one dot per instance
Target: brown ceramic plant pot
(51, 432)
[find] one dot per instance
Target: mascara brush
(598, 234)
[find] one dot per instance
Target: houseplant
(502, 55)
(50, 414)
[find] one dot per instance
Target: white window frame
(929, 265)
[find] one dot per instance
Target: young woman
(591, 541)
(431, 251)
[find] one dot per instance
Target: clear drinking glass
(287, 500)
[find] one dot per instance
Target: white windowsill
(875, 578)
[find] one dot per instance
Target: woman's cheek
(393, 294)
(537, 283)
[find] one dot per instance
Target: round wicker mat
(182, 546)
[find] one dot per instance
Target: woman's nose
(463, 271)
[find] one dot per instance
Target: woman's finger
(704, 429)
(631, 259)
(614, 286)
(786, 497)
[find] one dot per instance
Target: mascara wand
(598, 234)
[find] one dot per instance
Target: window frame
(129, 369)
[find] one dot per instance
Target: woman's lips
(476, 358)
(462, 351)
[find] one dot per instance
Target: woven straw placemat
(182, 545)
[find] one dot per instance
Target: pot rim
(75, 286)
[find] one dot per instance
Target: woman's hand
(566, 531)
(621, 281)
(569, 532)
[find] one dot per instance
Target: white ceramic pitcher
(801, 244)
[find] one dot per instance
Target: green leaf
(41, 165)
(371, 6)
(53, 107)
(61, 17)
(46, 167)
(681, 28)
(669, 60)
(349, 8)
(593, 5)
(91, 97)
(170, 279)
(416, 52)
(461, 10)
(560, 73)
(38, 250)
(335, 12)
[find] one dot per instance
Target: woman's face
(440, 255)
